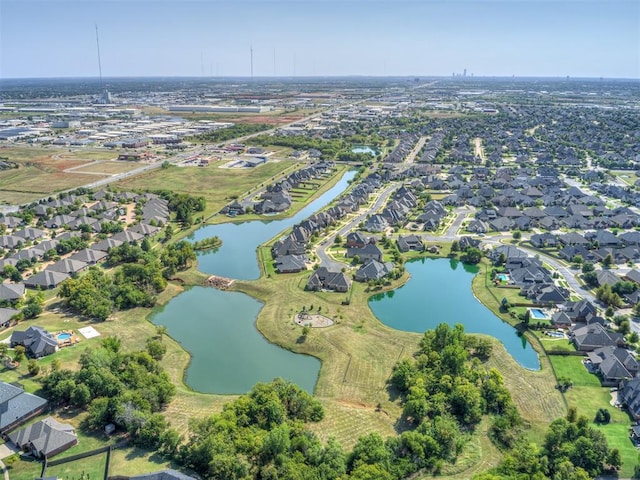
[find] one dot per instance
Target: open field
(41, 171)
(627, 176)
(276, 117)
(110, 167)
(588, 396)
(217, 185)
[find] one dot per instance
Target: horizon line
(271, 77)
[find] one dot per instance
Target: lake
(228, 354)
(438, 291)
(364, 149)
(236, 258)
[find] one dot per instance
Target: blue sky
(580, 38)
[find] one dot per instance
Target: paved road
(321, 250)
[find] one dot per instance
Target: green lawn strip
(25, 469)
(90, 467)
(587, 395)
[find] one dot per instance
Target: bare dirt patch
(313, 320)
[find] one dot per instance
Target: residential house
(89, 256)
(324, 279)
(478, 226)
(67, 265)
(356, 240)
(6, 314)
(373, 270)
(410, 243)
(46, 279)
(607, 277)
(291, 263)
(613, 364)
(36, 340)
(369, 251)
(45, 438)
(167, 474)
(11, 291)
(17, 406)
(629, 396)
(580, 311)
(592, 336)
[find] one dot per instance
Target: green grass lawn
(92, 467)
(587, 395)
(217, 185)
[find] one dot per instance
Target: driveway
(6, 450)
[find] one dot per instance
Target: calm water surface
(440, 291)
(236, 258)
(228, 353)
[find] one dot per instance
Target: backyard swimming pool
(538, 314)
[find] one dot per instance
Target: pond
(236, 258)
(364, 149)
(438, 291)
(228, 354)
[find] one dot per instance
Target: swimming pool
(502, 277)
(63, 336)
(538, 314)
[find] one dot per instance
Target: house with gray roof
(629, 396)
(127, 236)
(11, 291)
(29, 233)
(410, 243)
(6, 314)
(373, 270)
(607, 277)
(45, 438)
(36, 340)
(369, 251)
(67, 265)
(291, 263)
(106, 244)
(89, 256)
(46, 279)
(144, 229)
(167, 474)
(592, 336)
(613, 364)
(324, 279)
(17, 406)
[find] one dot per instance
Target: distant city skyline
(546, 38)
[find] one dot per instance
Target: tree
(80, 395)
(608, 261)
(19, 353)
(156, 348)
(588, 267)
(517, 235)
(161, 331)
(472, 255)
(4, 349)
(32, 367)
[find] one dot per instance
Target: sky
(579, 38)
